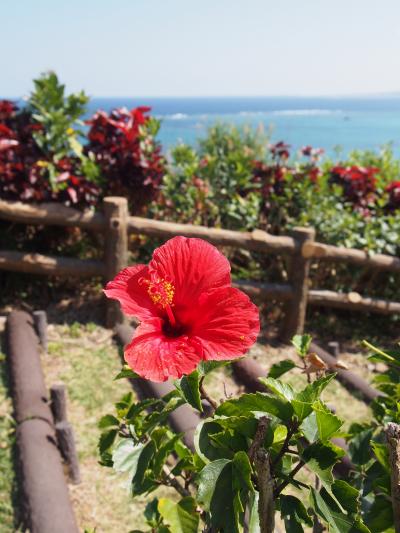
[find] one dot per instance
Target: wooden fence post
(295, 309)
(116, 249)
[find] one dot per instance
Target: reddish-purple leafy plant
(130, 160)
(394, 196)
(29, 174)
(358, 183)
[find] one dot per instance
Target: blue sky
(203, 47)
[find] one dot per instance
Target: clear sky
(202, 47)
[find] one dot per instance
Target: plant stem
(280, 487)
(266, 507)
(392, 432)
(173, 482)
(205, 396)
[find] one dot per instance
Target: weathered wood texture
(49, 265)
(40, 320)
(255, 240)
(295, 310)
(327, 252)
(116, 249)
(58, 402)
(50, 214)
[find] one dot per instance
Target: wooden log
(256, 240)
(392, 432)
(295, 310)
(350, 302)
(51, 214)
(66, 444)
(58, 402)
(341, 254)
(263, 291)
(116, 249)
(49, 265)
(40, 319)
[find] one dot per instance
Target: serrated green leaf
(181, 517)
(320, 458)
(346, 495)
(242, 471)
(293, 513)
(134, 459)
(126, 372)
(257, 402)
(106, 440)
(302, 344)
(108, 421)
(283, 390)
(382, 454)
(205, 367)
(278, 369)
(314, 390)
(380, 515)
(359, 447)
(327, 422)
(337, 521)
(188, 386)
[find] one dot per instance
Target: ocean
(335, 124)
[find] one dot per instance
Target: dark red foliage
(270, 179)
(280, 150)
(130, 160)
(359, 183)
(394, 196)
(24, 168)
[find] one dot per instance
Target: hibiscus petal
(132, 295)
(156, 357)
(193, 265)
(227, 324)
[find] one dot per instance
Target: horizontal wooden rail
(351, 301)
(257, 290)
(327, 252)
(42, 264)
(51, 214)
(257, 240)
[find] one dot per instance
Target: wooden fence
(116, 224)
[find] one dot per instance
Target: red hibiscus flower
(188, 310)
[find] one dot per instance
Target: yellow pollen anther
(241, 337)
(160, 291)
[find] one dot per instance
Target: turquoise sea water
(365, 123)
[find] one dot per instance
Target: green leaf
(380, 515)
(293, 513)
(283, 390)
(205, 367)
(135, 459)
(188, 386)
(302, 344)
(337, 521)
(106, 440)
(359, 447)
(278, 369)
(217, 495)
(162, 454)
(314, 390)
(346, 495)
(382, 454)
(327, 422)
(256, 402)
(126, 372)
(181, 517)
(320, 458)
(108, 421)
(242, 471)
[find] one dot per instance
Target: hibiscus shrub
(248, 451)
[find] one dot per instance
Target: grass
(7, 441)
(86, 360)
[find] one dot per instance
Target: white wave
(177, 116)
(306, 112)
